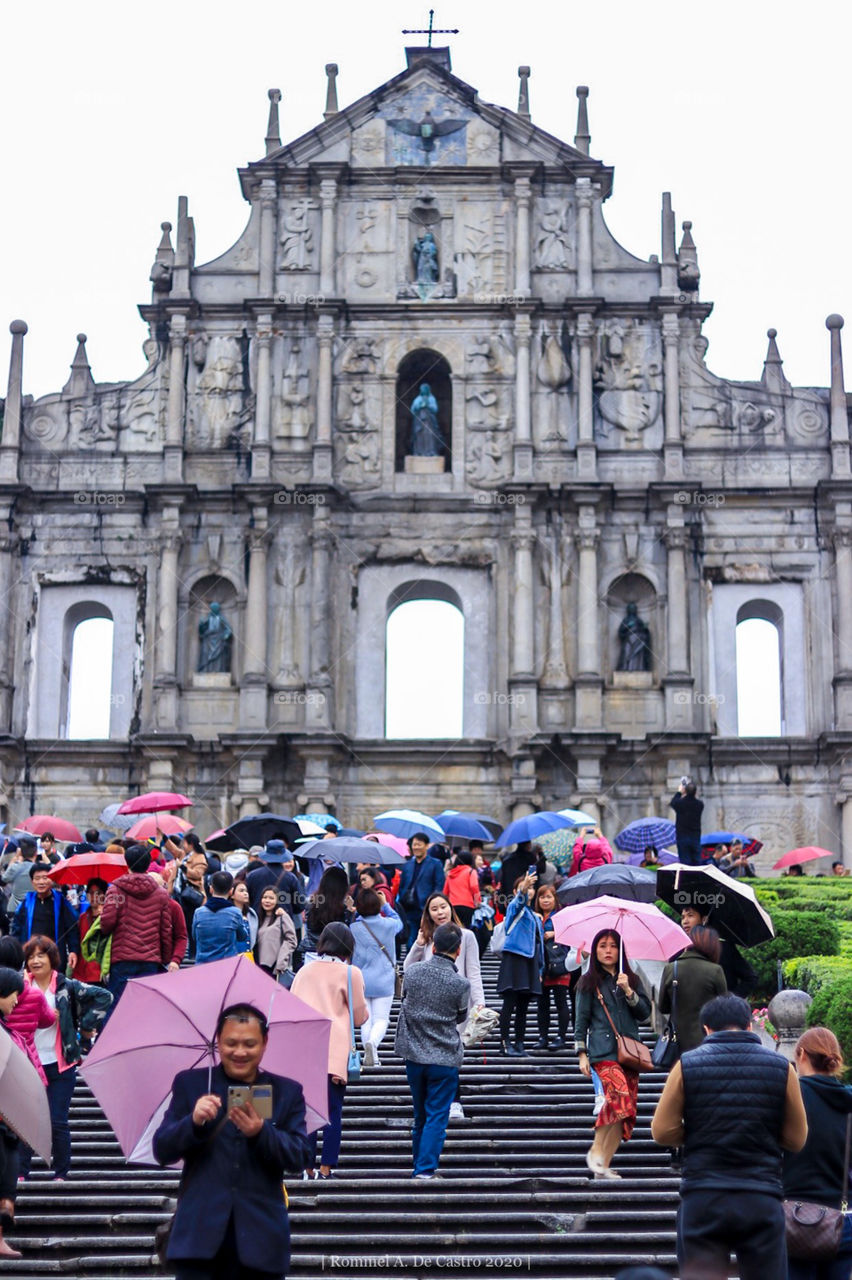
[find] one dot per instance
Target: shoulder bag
(353, 1066)
(813, 1230)
(397, 972)
(631, 1053)
(667, 1049)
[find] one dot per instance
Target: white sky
(111, 112)
(425, 671)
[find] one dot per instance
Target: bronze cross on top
(430, 31)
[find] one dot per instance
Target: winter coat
(80, 1006)
(467, 964)
(180, 937)
(698, 980)
(377, 966)
(60, 923)
(420, 879)
(97, 950)
(219, 931)
(136, 913)
(590, 1019)
(815, 1173)
(462, 886)
(275, 943)
(323, 985)
(87, 968)
(524, 936)
(435, 1002)
(589, 854)
(32, 1013)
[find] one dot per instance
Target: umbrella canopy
(38, 824)
(150, 827)
(730, 904)
(750, 845)
(531, 827)
(646, 933)
(558, 845)
(84, 867)
(166, 1024)
(309, 828)
(492, 824)
(23, 1101)
(155, 802)
(351, 831)
(664, 857)
(262, 827)
(220, 842)
(616, 879)
(392, 842)
(795, 858)
(321, 820)
(115, 821)
(351, 849)
(407, 822)
(637, 835)
(578, 818)
(465, 826)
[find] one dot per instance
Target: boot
(510, 1050)
(541, 1042)
(520, 1051)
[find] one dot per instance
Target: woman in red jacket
(462, 887)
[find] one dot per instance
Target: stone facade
(590, 459)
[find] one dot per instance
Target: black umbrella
(617, 879)
(730, 905)
(261, 827)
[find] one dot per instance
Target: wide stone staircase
(515, 1194)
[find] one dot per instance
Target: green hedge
(797, 933)
(829, 980)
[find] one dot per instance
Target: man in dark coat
(419, 879)
(231, 1220)
(46, 912)
(688, 810)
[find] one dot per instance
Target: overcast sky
(110, 112)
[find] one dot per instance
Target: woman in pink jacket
(590, 851)
(324, 985)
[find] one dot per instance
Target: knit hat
(137, 858)
(236, 861)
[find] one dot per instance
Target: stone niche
(634, 706)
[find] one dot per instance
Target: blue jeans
(120, 974)
(838, 1268)
(60, 1089)
(331, 1132)
(432, 1090)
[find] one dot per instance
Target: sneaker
(425, 1177)
(541, 1042)
(456, 1111)
(556, 1044)
(520, 1051)
(371, 1058)
(600, 1101)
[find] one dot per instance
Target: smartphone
(533, 870)
(238, 1095)
(259, 1095)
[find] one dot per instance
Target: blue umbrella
(321, 819)
(464, 826)
(349, 831)
(637, 835)
(578, 818)
(616, 879)
(492, 824)
(725, 837)
(406, 823)
(531, 827)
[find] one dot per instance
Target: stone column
(844, 799)
(671, 375)
(266, 267)
(839, 418)
(165, 663)
(255, 672)
(260, 462)
(523, 449)
(678, 683)
(588, 683)
(585, 276)
(523, 196)
(173, 452)
(319, 687)
(523, 711)
(842, 539)
(10, 442)
(328, 204)
(7, 623)
(587, 465)
(322, 437)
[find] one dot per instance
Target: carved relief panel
(629, 385)
(366, 249)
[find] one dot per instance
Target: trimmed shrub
(832, 1008)
(797, 933)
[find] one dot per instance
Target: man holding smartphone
(231, 1221)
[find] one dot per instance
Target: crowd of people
(347, 939)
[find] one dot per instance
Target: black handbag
(814, 1231)
(667, 1049)
(556, 959)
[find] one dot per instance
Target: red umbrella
(84, 867)
(39, 823)
(147, 828)
(796, 857)
(155, 802)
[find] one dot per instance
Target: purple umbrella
(637, 835)
(664, 857)
(166, 1024)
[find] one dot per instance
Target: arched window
(760, 677)
(87, 694)
(424, 684)
(421, 368)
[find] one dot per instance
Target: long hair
(706, 941)
(822, 1047)
(326, 904)
(427, 924)
(592, 978)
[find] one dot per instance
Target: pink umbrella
(23, 1101)
(155, 802)
(148, 828)
(393, 842)
(166, 1024)
(645, 932)
(796, 857)
(39, 823)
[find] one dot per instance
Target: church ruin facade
(572, 464)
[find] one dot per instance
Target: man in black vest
(733, 1106)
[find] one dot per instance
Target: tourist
(734, 1106)
(513, 867)
(374, 929)
(11, 986)
(435, 1002)
(420, 878)
(242, 901)
(739, 974)
(557, 978)
(275, 871)
(16, 876)
(650, 858)
(590, 851)
(229, 1223)
(92, 837)
(44, 911)
(136, 914)
(49, 851)
(276, 936)
(189, 888)
(32, 1012)
(688, 809)
(78, 1006)
(838, 869)
(372, 879)
(330, 903)
(736, 862)
(89, 967)
(815, 1174)
(325, 984)
(609, 986)
(219, 929)
(521, 965)
(461, 886)
(699, 979)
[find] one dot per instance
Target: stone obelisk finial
(524, 93)
(331, 108)
(668, 274)
(273, 130)
(582, 138)
(11, 439)
(839, 417)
